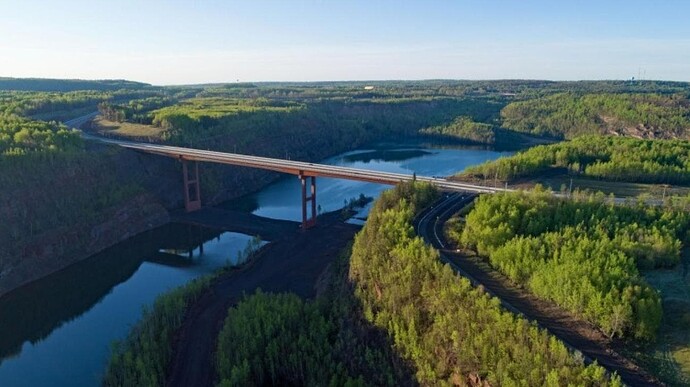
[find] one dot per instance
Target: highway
(301, 168)
(79, 121)
(292, 167)
(577, 334)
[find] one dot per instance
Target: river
(58, 331)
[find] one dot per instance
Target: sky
(187, 42)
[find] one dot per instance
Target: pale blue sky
(176, 42)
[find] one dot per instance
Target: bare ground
(293, 262)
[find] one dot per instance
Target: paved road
(578, 334)
(76, 123)
(278, 165)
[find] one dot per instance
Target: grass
(669, 357)
(125, 129)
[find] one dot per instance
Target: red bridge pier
(308, 222)
(192, 191)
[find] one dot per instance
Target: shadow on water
(246, 203)
(32, 312)
(385, 155)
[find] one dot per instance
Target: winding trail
(576, 333)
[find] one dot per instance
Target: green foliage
(135, 110)
(277, 339)
(285, 340)
(191, 113)
(64, 85)
(464, 129)
(447, 329)
(569, 115)
(141, 359)
(609, 158)
(349, 122)
(19, 136)
(64, 105)
(583, 253)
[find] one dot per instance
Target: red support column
(192, 191)
(308, 222)
(313, 200)
(303, 180)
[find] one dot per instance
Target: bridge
(306, 172)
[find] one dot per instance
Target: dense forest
(284, 341)
(288, 341)
(501, 90)
(19, 136)
(584, 253)
(451, 332)
(568, 115)
(65, 85)
(464, 129)
(608, 158)
(238, 125)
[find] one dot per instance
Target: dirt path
(292, 262)
(575, 332)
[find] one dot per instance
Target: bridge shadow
(238, 221)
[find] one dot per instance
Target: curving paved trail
(578, 334)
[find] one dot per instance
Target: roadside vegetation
(432, 315)
(583, 253)
(596, 157)
(19, 136)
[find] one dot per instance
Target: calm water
(58, 331)
(281, 199)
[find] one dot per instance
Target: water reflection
(68, 320)
(281, 200)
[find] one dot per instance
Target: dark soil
(293, 262)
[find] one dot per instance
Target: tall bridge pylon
(311, 221)
(192, 190)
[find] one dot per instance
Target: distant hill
(41, 84)
(567, 115)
